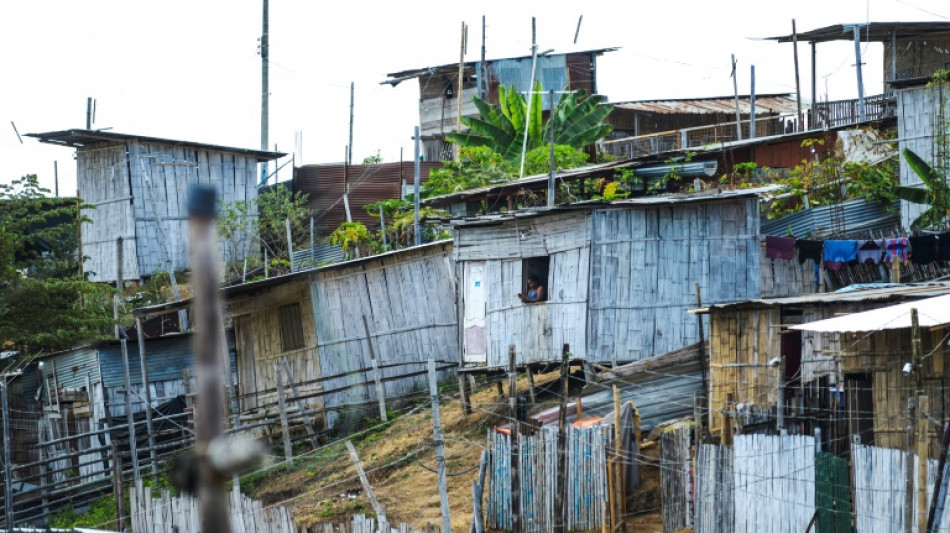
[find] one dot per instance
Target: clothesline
(834, 254)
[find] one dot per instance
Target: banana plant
(576, 119)
(936, 195)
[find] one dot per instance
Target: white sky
(189, 70)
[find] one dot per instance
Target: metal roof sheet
(852, 294)
(874, 31)
(397, 77)
(764, 104)
(80, 138)
(846, 217)
(931, 312)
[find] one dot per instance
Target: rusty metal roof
(80, 138)
(395, 78)
(368, 184)
(780, 103)
(853, 294)
(873, 32)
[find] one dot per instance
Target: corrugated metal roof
(851, 216)
(659, 396)
(931, 312)
(847, 295)
(321, 254)
(80, 138)
(397, 77)
(323, 185)
(72, 367)
(781, 103)
(166, 357)
(870, 32)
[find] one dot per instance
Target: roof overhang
(870, 32)
(81, 138)
(931, 313)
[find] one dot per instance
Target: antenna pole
(265, 104)
(349, 151)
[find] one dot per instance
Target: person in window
(535, 291)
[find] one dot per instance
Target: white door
(475, 347)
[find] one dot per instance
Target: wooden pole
(458, 95)
(704, 391)
(909, 468)
(935, 516)
(780, 403)
(798, 85)
(530, 384)
(117, 486)
(148, 396)
(377, 377)
(814, 87)
(561, 484)
(123, 344)
(301, 404)
(290, 245)
(282, 405)
(515, 438)
(464, 393)
(477, 489)
(923, 458)
(618, 462)
(416, 229)
(439, 445)
(313, 245)
(367, 488)
(752, 102)
(7, 466)
(552, 187)
(726, 431)
(207, 308)
(735, 92)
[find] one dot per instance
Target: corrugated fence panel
(851, 216)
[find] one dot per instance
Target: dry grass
(393, 460)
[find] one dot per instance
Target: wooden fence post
(530, 384)
(726, 421)
(301, 405)
(909, 481)
(148, 396)
(7, 467)
(282, 405)
(380, 512)
(923, 457)
(380, 392)
(439, 447)
(478, 525)
(561, 483)
(464, 394)
(619, 486)
(117, 486)
(515, 438)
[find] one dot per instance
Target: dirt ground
(323, 486)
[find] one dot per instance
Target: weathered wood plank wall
(408, 299)
(257, 326)
(644, 266)
(138, 185)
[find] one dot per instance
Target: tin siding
(916, 110)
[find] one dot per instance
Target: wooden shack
(139, 185)
(619, 276)
(329, 323)
(844, 384)
(440, 88)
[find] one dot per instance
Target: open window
(291, 327)
(536, 268)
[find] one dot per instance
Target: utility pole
(89, 113)
(527, 120)
(56, 178)
(153, 456)
(265, 105)
(798, 85)
(349, 151)
(752, 103)
(857, 64)
(439, 449)
(551, 184)
(415, 191)
(207, 348)
(735, 92)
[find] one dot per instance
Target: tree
(264, 220)
(576, 121)
(936, 195)
(45, 302)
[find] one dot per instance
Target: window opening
(535, 270)
(291, 327)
